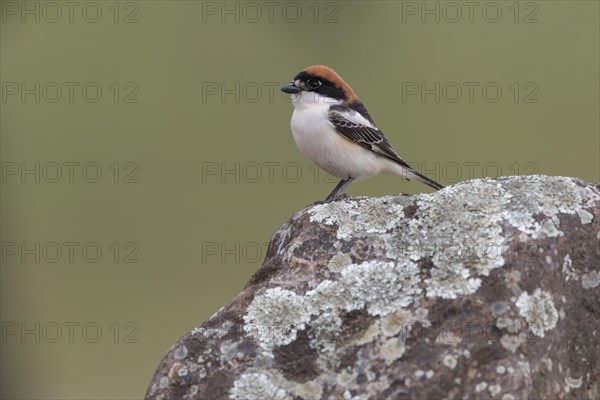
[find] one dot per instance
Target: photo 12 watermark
(490, 253)
(233, 252)
(452, 172)
(69, 92)
(69, 332)
(252, 12)
(28, 172)
(451, 333)
(70, 252)
(293, 172)
(443, 252)
(470, 92)
(264, 171)
(242, 92)
(453, 12)
(525, 92)
(70, 12)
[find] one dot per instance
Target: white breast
(318, 140)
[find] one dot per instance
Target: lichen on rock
(538, 310)
(486, 289)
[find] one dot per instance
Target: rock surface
(489, 289)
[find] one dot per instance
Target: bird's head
(322, 81)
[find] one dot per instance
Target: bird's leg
(338, 190)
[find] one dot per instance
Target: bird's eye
(314, 84)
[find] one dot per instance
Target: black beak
(290, 88)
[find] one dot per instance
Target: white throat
(304, 100)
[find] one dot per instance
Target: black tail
(427, 181)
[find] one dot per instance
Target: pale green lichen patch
(164, 382)
(585, 216)
(356, 219)
(338, 262)
(547, 197)
(330, 295)
(345, 378)
(256, 386)
(449, 283)
(568, 270)
(481, 386)
(276, 316)
(392, 350)
(309, 390)
(398, 322)
(383, 287)
(474, 216)
(494, 389)
(325, 329)
(590, 280)
(450, 361)
(369, 335)
(421, 315)
(229, 349)
(538, 310)
(511, 325)
(180, 353)
(572, 383)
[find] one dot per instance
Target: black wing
(369, 137)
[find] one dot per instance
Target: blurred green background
(176, 105)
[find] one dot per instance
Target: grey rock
(484, 290)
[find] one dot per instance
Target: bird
(333, 128)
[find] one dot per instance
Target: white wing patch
(355, 117)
